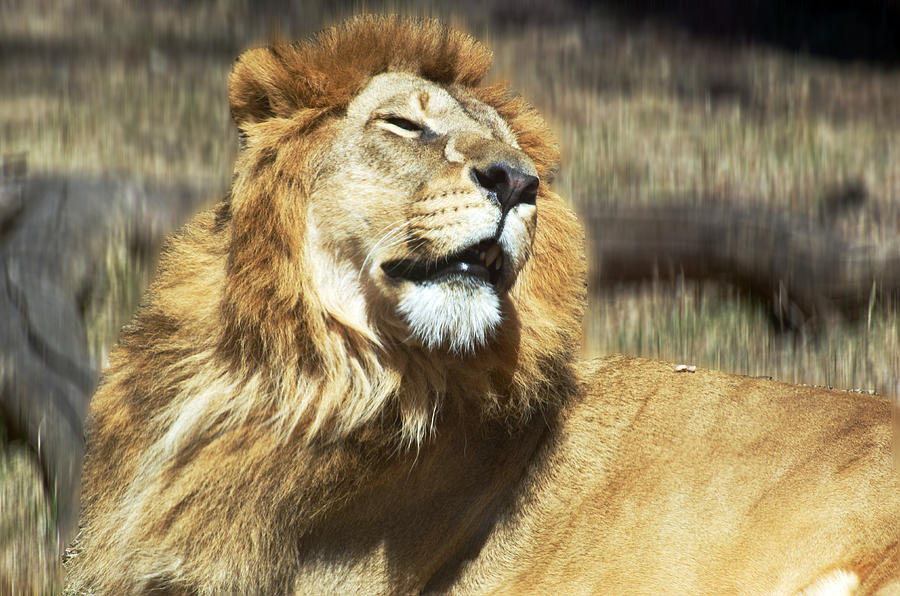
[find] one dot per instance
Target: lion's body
(660, 482)
(358, 374)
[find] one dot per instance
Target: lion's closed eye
(402, 126)
(404, 123)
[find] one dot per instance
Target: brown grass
(27, 534)
(646, 115)
(642, 113)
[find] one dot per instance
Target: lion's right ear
(260, 87)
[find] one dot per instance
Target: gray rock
(54, 233)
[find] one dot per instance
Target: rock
(54, 235)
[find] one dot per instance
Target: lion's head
(393, 219)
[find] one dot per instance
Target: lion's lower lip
(478, 262)
(466, 269)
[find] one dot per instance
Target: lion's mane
(236, 408)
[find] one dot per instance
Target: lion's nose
(510, 185)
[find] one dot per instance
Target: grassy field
(643, 113)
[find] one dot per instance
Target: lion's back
(659, 480)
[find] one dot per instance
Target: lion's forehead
(443, 110)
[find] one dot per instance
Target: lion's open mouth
(483, 261)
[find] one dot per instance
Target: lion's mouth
(482, 261)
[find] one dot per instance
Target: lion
(359, 373)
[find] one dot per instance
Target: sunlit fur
(835, 583)
(283, 417)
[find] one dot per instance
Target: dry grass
(642, 113)
(646, 115)
(27, 534)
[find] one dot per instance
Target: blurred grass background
(643, 109)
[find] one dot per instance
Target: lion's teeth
(493, 255)
(481, 256)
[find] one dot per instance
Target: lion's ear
(260, 87)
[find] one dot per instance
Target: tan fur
(282, 418)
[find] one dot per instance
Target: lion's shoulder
(705, 416)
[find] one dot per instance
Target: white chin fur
(458, 315)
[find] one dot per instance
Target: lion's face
(428, 221)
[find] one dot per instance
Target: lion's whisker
(392, 229)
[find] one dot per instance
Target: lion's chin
(456, 314)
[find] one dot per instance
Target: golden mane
(287, 92)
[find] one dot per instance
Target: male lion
(358, 374)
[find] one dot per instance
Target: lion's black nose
(509, 185)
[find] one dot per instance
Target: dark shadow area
(865, 30)
(18, 48)
(834, 29)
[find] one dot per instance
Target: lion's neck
(402, 389)
(460, 480)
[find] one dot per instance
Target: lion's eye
(403, 123)
(404, 127)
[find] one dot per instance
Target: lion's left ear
(260, 87)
